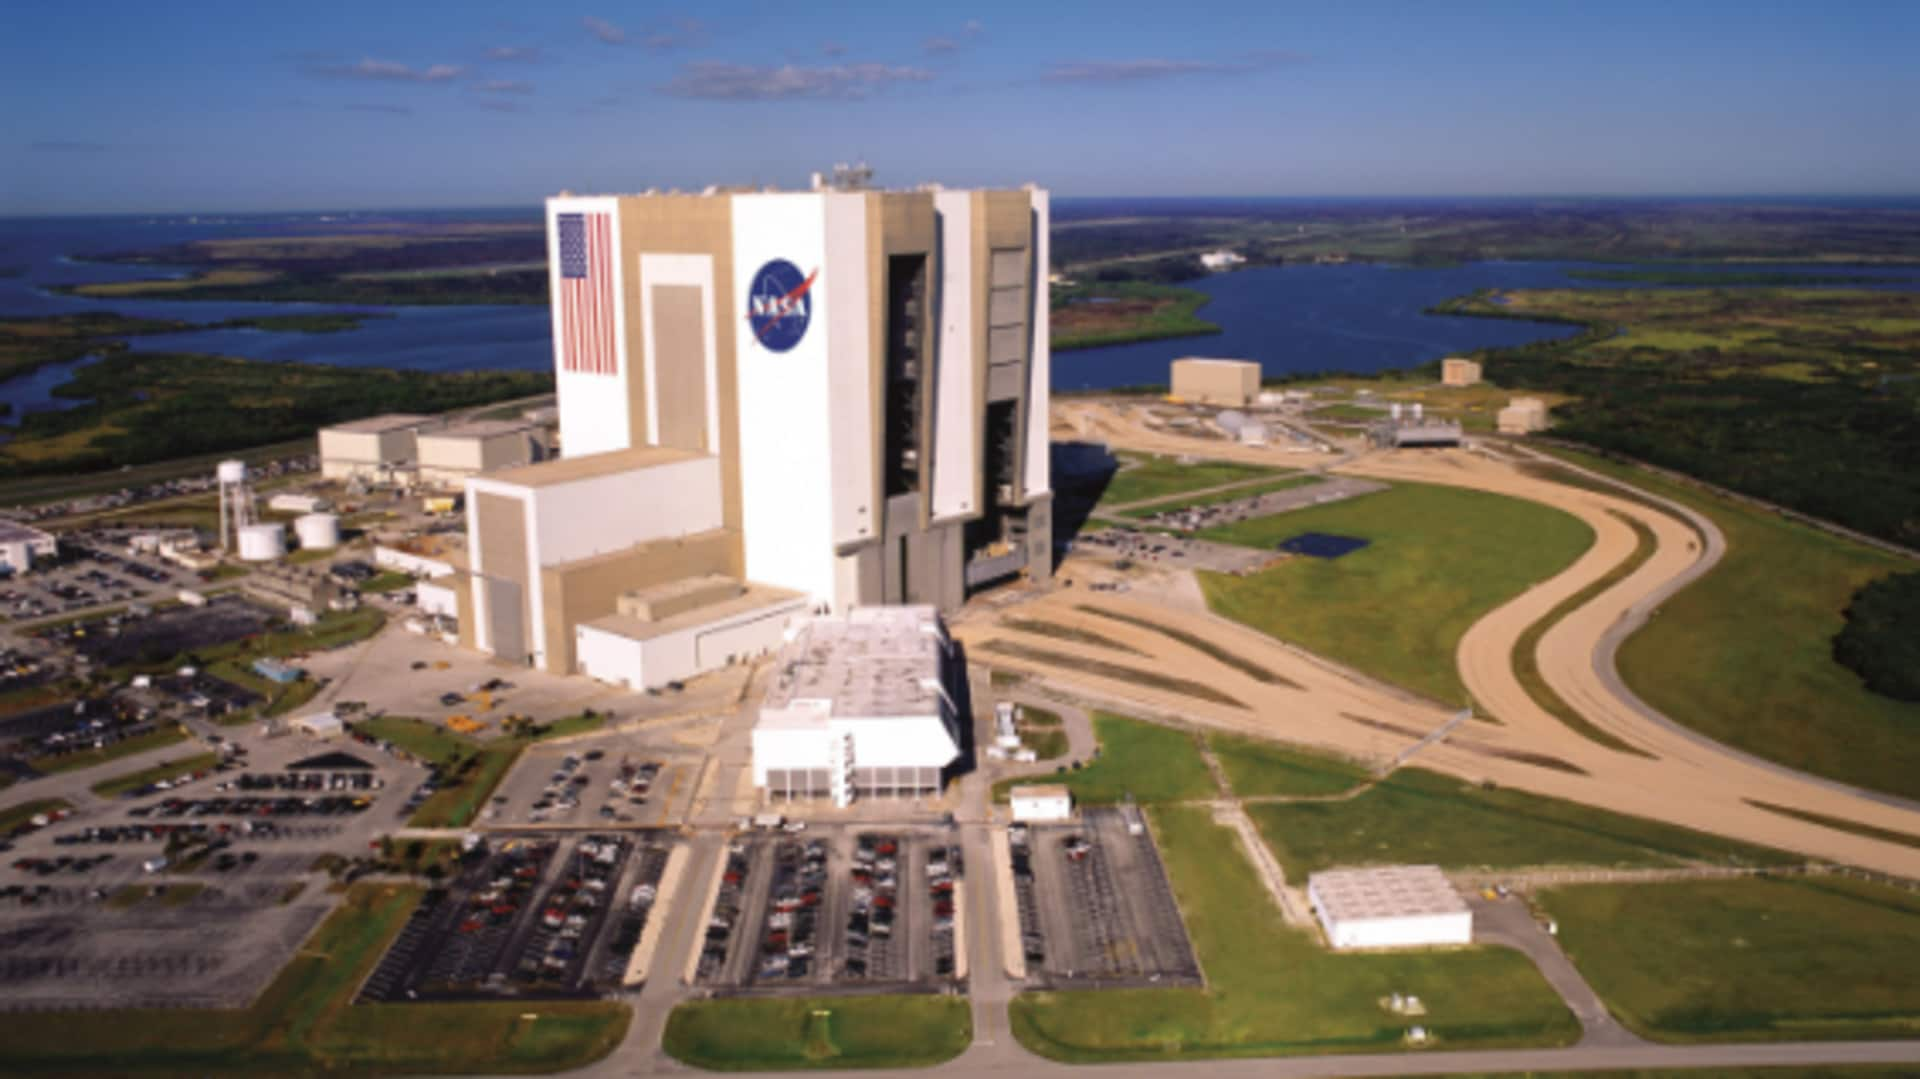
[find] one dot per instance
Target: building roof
(870, 662)
(591, 466)
(477, 429)
(1217, 360)
(15, 532)
(373, 425)
(1398, 891)
(1040, 790)
(754, 598)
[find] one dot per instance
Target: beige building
(449, 455)
(1523, 415)
(1234, 383)
(378, 449)
(1455, 371)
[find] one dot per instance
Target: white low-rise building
(21, 544)
(859, 705)
(1041, 803)
(674, 631)
(1402, 906)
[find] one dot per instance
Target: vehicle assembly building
(860, 705)
(837, 394)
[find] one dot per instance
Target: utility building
(1233, 383)
(451, 454)
(1401, 906)
(860, 705)
(378, 449)
(838, 393)
(1455, 371)
(1523, 416)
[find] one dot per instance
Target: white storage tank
(232, 472)
(317, 530)
(262, 543)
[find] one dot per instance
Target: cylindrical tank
(262, 542)
(317, 530)
(232, 472)
(1395, 410)
(1419, 411)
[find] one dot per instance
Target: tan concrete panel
(582, 591)
(680, 378)
(503, 551)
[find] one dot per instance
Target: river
(1356, 317)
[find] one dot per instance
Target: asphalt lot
(604, 781)
(833, 908)
(1096, 909)
(1153, 549)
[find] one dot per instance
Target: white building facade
(1408, 906)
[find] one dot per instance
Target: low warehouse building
(20, 545)
(1455, 371)
(1404, 906)
(1041, 803)
(1523, 416)
(449, 455)
(378, 449)
(683, 628)
(1234, 383)
(860, 705)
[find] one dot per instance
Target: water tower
(236, 502)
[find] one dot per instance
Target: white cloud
(514, 52)
(389, 71)
(715, 81)
(604, 30)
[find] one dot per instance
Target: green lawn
(14, 816)
(1285, 483)
(1420, 816)
(305, 1024)
(390, 581)
(118, 785)
(1148, 761)
(167, 734)
(473, 768)
(1272, 990)
(1142, 477)
(1749, 959)
(1745, 655)
(892, 1031)
(1440, 557)
(1256, 768)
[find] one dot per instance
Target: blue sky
(268, 105)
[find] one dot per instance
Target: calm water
(1294, 318)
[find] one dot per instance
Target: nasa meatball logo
(780, 304)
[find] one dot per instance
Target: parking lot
(601, 782)
(115, 639)
(1095, 907)
(90, 573)
(1126, 548)
(532, 916)
(846, 907)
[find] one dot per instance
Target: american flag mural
(586, 294)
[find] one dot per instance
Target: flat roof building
(1233, 383)
(860, 705)
(1040, 803)
(449, 455)
(839, 393)
(673, 631)
(1522, 416)
(1402, 906)
(1455, 371)
(21, 544)
(377, 449)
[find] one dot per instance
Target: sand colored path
(1686, 780)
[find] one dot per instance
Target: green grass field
(1142, 477)
(892, 1031)
(1148, 761)
(1745, 655)
(1439, 558)
(1421, 816)
(1750, 959)
(1256, 768)
(1272, 990)
(305, 1022)
(118, 785)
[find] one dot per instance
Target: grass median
(306, 1024)
(169, 734)
(1748, 960)
(133, 781)
(1143, 476)
(1146, 761)
(1272, 990)
(890, 1031)
(1420, 816)
(14, 816)
(1438, 559)
(1745, 654)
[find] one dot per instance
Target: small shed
(1041, 802)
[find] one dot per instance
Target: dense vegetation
(27, 344)
(1881, 641)
(501, 287)
(145, 407)
(1091, 315)
(1807, 398)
